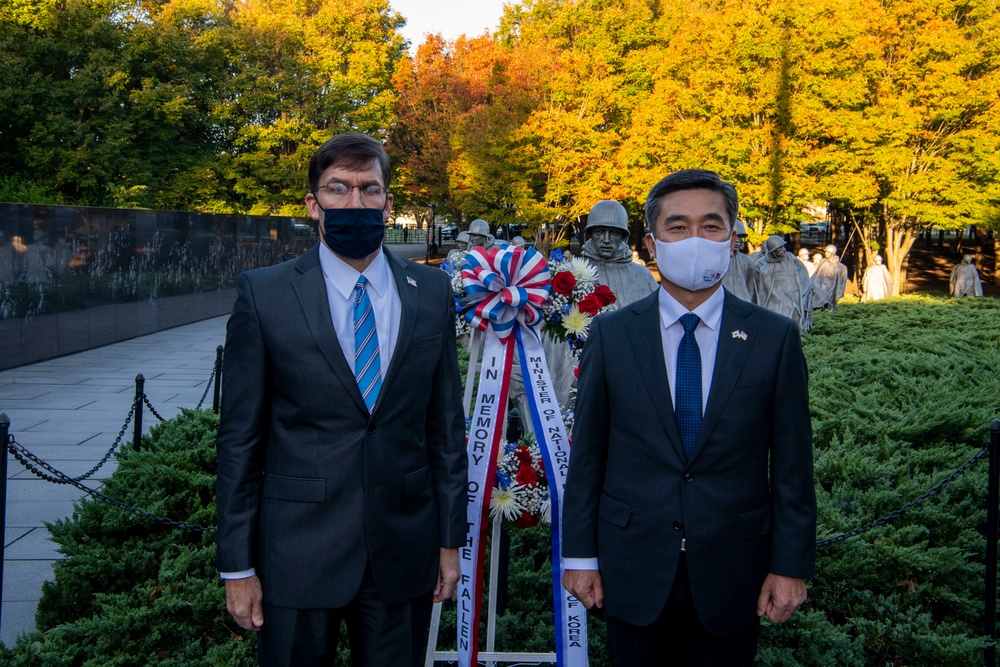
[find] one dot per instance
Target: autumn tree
(904, 134)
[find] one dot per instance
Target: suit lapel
(310, 289)
(730, 356)
(646, 342)
(409, 299)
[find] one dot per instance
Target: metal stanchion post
(992, 501)
(137, 419)
(5, 435)
(218, 379)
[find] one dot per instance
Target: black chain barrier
(145, 400)
(208, 385)
(34, 465)
(907, 507)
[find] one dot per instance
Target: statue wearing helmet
(479, 234)
(739, 279)
(830, 280)
(607, 249)
(782, 284)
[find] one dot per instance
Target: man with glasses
(342, 465)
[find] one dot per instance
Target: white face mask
(694, 263)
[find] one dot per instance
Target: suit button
(678, 525)
(688, 477)
(371, 429)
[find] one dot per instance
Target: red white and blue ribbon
(508, 286)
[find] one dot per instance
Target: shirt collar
(344, 277)
(709, 312)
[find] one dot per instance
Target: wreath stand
(490, 656)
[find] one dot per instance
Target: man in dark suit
(690, 509)
(342, 464)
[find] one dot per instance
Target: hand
(780, 596)
(448, 573)
(585, 586)
(245, 602)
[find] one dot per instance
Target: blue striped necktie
(367, 362)
(687, 399)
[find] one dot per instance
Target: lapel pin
(411, 281)
(739, 334)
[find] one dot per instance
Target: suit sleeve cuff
(238, 575)
(580, 564)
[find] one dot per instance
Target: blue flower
(448, 267)
(557, 255)
(503, 480)
(565, 308)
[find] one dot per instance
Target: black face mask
(353, 232)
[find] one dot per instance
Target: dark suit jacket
(745, 501)
(310, 486)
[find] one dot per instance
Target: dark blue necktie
(687, 399)
(367, 361)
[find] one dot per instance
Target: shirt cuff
(238, 575)
(580, 564)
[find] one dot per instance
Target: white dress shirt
(341, 279)
(671, 332)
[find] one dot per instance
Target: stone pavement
(68, 411)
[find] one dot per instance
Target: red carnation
(564, 283)
(522, 455)
(589, 304)
(526, 520)
(605, 295)
(527, 476)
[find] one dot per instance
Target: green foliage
(902, 392)
(132, 592)
(187, 104)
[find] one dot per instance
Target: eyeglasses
(340, 191)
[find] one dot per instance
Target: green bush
(902, 392)
(133, 592)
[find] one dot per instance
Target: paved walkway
(68, 411)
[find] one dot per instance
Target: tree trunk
(996, 258)
(898, 242)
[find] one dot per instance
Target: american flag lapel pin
(739, 334)
(411, 281)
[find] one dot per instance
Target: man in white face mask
(690, 509)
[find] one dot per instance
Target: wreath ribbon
(507, 287)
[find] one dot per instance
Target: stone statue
(806, 262)
(877, 282)
(965, 279)
(461, 247)
(517, 241)
(606, 249)
(739, 279)
(782, 283)
(479, 235)
(829, 280)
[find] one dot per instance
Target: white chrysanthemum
(546, 511)
(575, 322)
(504, 503)
(582, 270)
